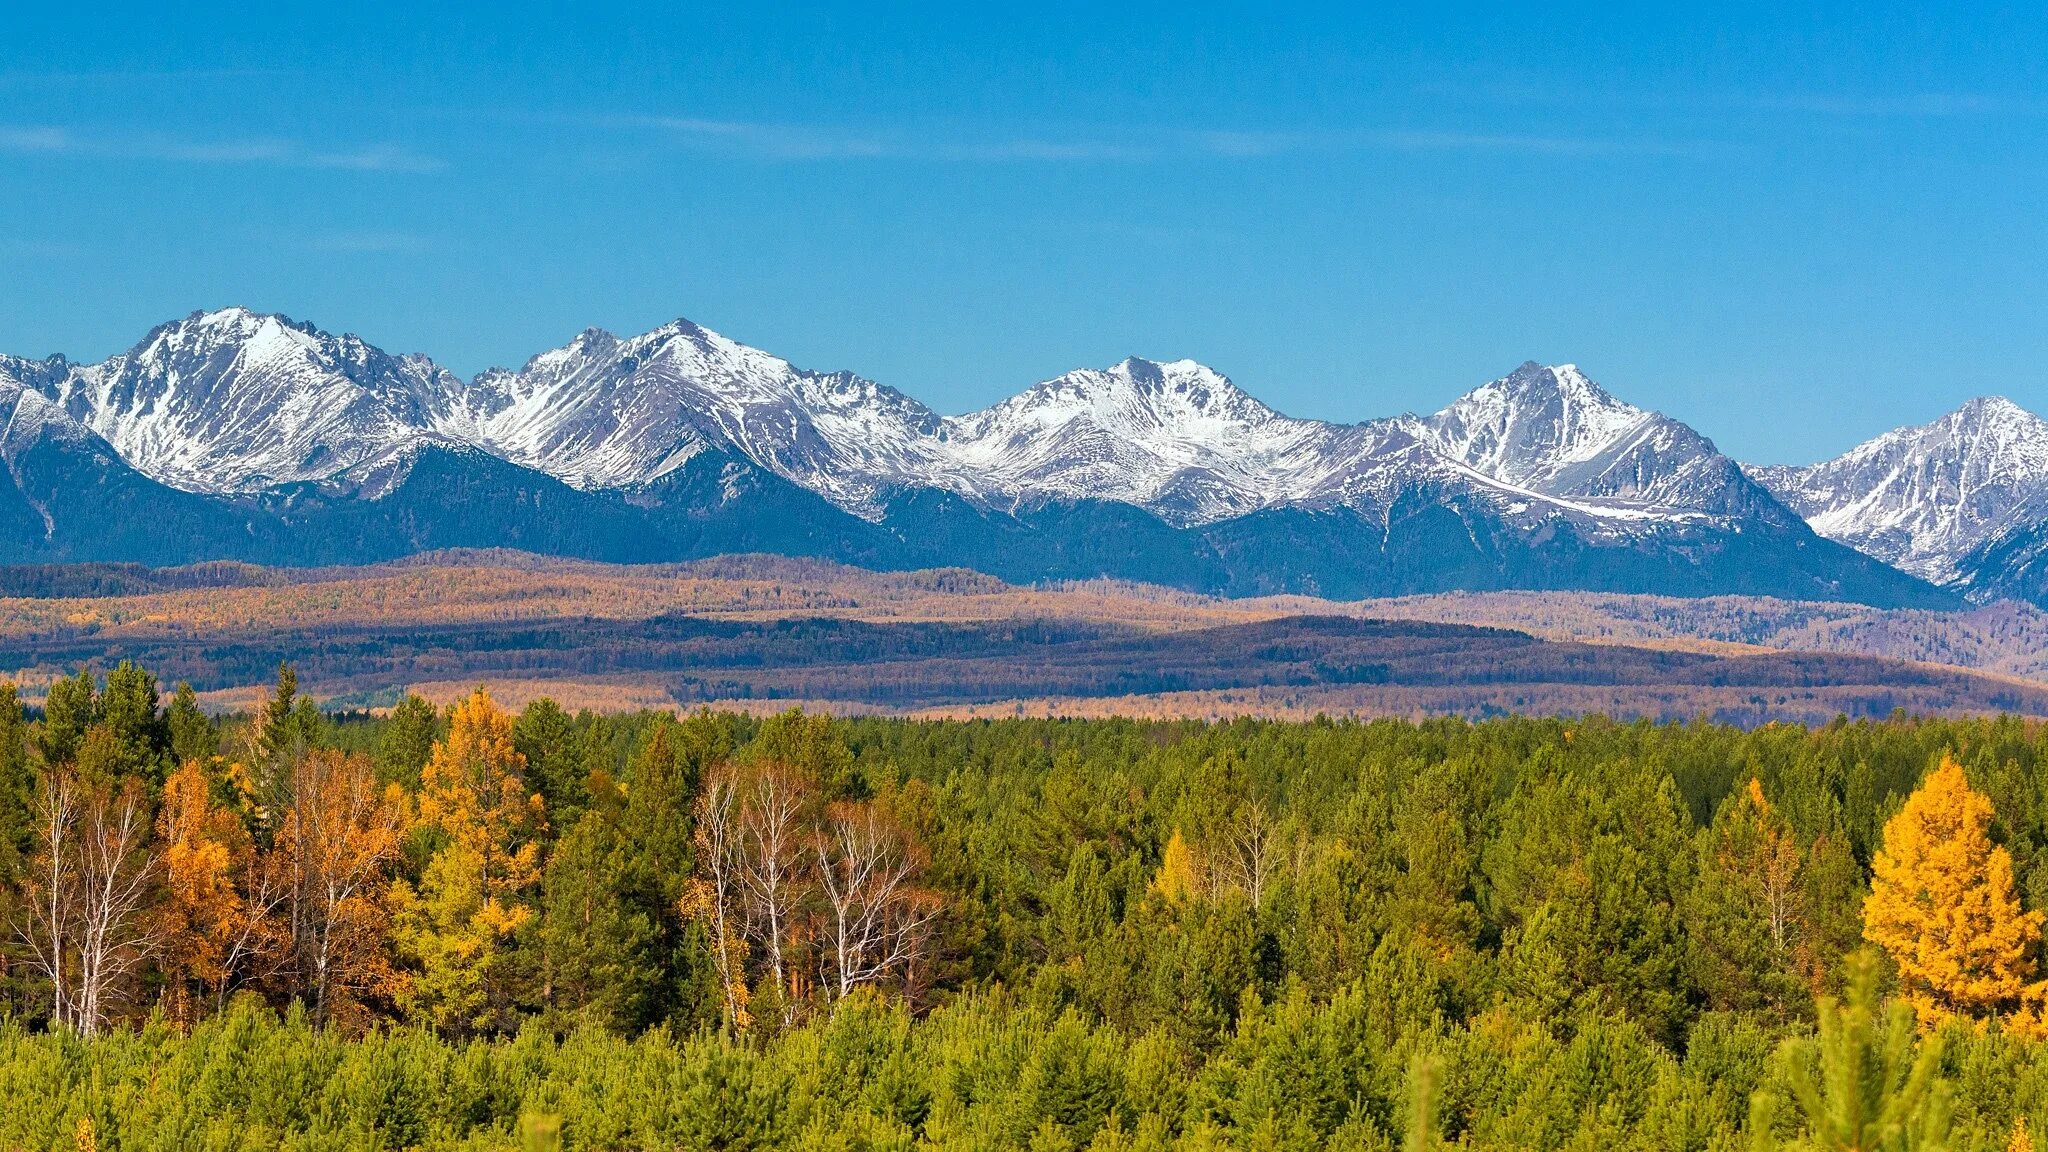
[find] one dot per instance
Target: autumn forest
(470, 927)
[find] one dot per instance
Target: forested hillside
(761, 633)
(471, 928)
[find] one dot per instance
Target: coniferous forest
(478, 929)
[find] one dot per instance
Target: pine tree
(1943, 905)
(1863, 1084)
(598, 946)
(128, 706)
(192, 734)
(1424, 1076)
(287, 722)
(408, 741)
(17, 780)
(547, 737)
(69, 708)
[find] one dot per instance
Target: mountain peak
(1538, 382)
(1140, 393)
(1923, 497)
(233, 323)
(1993, 409)
(1532, 423)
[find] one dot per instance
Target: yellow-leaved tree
(1943, 905)
(480, 887)
(1179, 878)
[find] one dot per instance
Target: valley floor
(764, 633)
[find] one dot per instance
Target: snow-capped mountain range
(274, 440)
(236, 402)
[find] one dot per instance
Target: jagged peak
(232, 323)
(591, 342)
(1539, 383)
(1993, 410)
(1989, 422)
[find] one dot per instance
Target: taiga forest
(475, 928)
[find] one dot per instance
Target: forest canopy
(470, 927)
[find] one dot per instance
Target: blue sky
(1791, 229)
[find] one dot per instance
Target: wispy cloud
(1538, 145)
(792, 142)
(56, 140)
(34, 139)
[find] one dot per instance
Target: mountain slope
(1929, 498)
(1555, 432)
(233, 401)
(68, 496)
(262, 438)
(602, 412)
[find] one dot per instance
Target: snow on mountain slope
(1923, 498)
(1176, 438)
(233, 401)
(236, 401)
(31, 415)
(1533, 425)
(1181, 440)
(1554, 432)
(602, 412)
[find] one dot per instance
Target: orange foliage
(216, 914)
(1943, 905)
(339, 836)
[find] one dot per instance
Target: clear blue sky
(1791, 230)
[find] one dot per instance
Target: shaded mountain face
(304, 446)
(1933, 500)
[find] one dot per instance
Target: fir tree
(192, 732)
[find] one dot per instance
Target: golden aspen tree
(2021, 1140)
(479, 889)
(1943, 905)
(206, 925)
